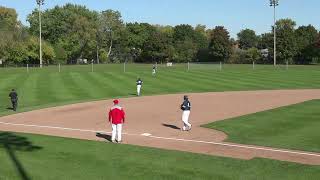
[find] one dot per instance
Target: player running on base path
(186, 107)
(116, 118)
(139, 85)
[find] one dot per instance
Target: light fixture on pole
(40, 2)
(274, 4)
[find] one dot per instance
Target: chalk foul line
(167, 138)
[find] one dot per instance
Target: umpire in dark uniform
(14, 99)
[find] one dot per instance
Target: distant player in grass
(116, 118)
(186, 107)
(154, 70)
(14, 99)
(139, 85)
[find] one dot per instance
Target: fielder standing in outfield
(154, 69)
(139, 85)
(186, 107)
(116, 118)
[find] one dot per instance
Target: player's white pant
(138, 89)
(185, 120)
(116, 131)
(153, 72)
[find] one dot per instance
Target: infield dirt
(159, 119)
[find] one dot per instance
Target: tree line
(73, 32)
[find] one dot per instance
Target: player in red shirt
(116, 118)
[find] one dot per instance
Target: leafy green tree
(155, 47)
(287, 47)
(8, 23)
(8, 18)
(74, 27)
(138, 35)
(265, 41)
(185, 51)
(27, 52)
(15, 53)
(306, 37)
(220, 46)
(12, 36)
(183, 32)
(110, 28)
(247, 39)
(192, 39)
(200, 38)
(253, 55)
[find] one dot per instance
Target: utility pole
(40, 2)
(274, 4)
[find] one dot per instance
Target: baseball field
(259, 123)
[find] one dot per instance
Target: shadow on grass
(11, 143)
(171, 126)
(104, 136)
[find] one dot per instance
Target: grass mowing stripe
(123, 87)
(206, 83)
(60, 88)
(27, 90)
(156, 84)
(5, 88)
(188, 86)
(291, 127)
(73, 87)
(251, 81)
(96, 87)
(108, 85)
(221, 82)
(45, 88)
(255, 81)
(85, 85)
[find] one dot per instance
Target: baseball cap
(116, 101)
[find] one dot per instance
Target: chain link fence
(143, 68)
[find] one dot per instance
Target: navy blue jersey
(186, 105)
(139, 82)
(14, 96)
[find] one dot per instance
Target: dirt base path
(154, 121)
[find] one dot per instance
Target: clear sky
(233, 14)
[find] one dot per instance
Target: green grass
(43, 157)
(62, 158)
(47, 87)
(292, 127)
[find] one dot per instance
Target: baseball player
(154, 68)
(186, 107)
(14, 99)
(116, 118)
(139, 85)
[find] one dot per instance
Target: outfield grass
(292, 127)
(43, 157)
(47, 87)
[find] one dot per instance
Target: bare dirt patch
(154, 121)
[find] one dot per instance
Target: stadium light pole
(274, 4)
(40, 2)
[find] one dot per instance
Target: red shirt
(116, 115)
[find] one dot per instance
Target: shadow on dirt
(104, 136)
(171, 126)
